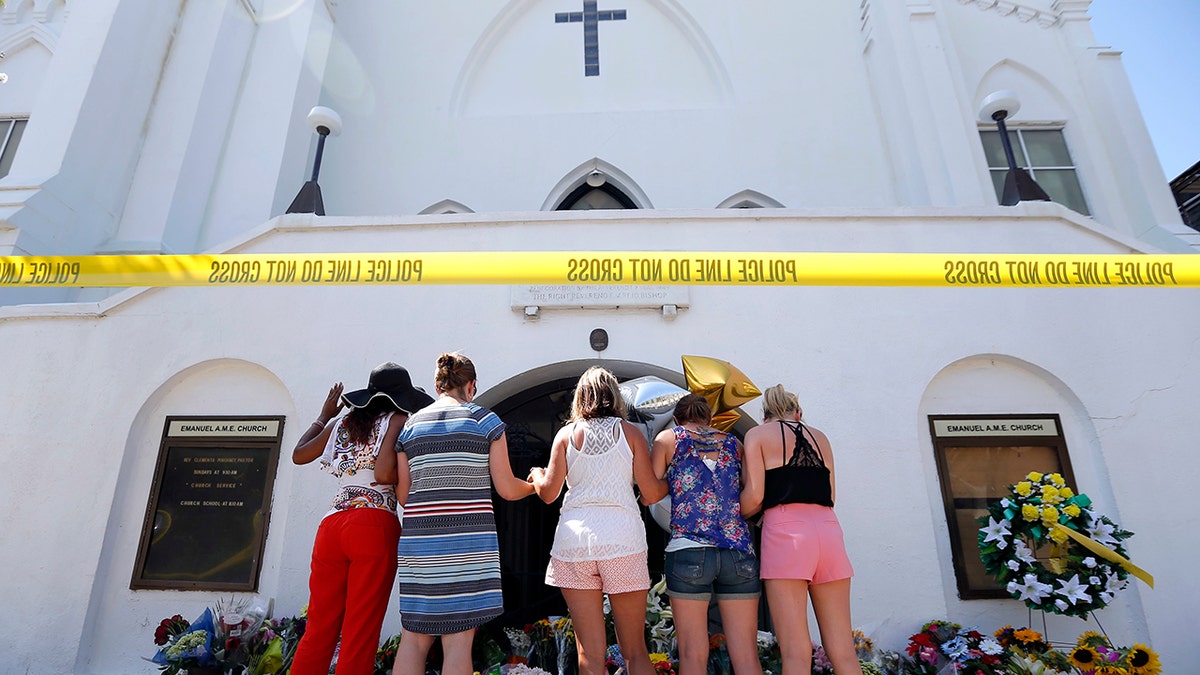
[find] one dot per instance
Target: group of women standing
(450, 453)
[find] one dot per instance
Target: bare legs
(414, 650)
(740, 619)
(691, 630)
(831, 604)
(629, 615)
(788, 600)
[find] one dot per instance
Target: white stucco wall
(868, 363)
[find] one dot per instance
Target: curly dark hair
(358, 421)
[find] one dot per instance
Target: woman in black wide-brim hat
(354, 555)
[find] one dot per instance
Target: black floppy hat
(391, 381)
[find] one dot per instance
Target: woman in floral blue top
(710, 552)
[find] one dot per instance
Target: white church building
(177, 127)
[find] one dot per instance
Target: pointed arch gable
(446, 206)
(27, 35)
(577, 177)
(749, 199)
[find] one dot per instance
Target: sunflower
(1084, 658)
(1143, 661)
(1092, 639)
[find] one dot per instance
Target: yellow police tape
(605, 267)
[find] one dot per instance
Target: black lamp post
(324, 121)
(1019, 186)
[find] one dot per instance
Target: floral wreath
(1082, 574)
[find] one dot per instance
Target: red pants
(353, 566)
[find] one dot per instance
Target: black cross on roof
(590, 17)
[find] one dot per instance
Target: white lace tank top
(600, 519)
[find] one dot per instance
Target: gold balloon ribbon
(1107, 553)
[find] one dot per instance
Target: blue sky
(1160, 41)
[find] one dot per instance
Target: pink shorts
(616, 575)
(803, 541)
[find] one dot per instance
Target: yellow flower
(1071, 510)
(1092, 639)
(1029, 512)
(1058, 536)
(1049, 515)
(1027, 635)
(1034, 476)
(1084, 658)
(659, 657)
(1143, 661)
(1065, 493)
(1050, 494)
(1057, 479)
(1024, 488)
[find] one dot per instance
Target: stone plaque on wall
(209, 507)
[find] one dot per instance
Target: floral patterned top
(354, 467)
(704, 502)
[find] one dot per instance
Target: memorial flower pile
(232, 637)
(942, 644)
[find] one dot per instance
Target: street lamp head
(999, 106)
(325, 121)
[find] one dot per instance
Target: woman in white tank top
(600, 543)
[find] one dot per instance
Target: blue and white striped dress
(449, 573)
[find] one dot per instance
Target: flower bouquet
(543, 651)
(564, 641)
(185, 645)
(1080, 574)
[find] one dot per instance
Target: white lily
(1032, 589)
(1073, 590)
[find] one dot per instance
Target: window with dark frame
(210, 504)
(978, 457)
(11, 130)
(1043, 152)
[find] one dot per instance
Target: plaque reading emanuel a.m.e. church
(206, 520)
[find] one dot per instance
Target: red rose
(160, 635)
(232, 644)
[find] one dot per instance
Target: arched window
(586, 197)
(596, 184)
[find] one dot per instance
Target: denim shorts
(700, 573)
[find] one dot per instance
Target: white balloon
(661, 512)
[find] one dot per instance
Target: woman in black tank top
(789, 475)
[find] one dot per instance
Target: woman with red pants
(354, 555)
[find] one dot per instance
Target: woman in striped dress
(451, 454)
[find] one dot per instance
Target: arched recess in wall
(497, 78)
(606, 177)
(1040, 100)
(749, 199)
(26, 36)
(216, 387)
(446, 206)
(1049, 138)
(534, 404)
(1003, 384)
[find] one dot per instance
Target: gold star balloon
(722, 385)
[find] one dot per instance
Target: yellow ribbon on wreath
(1106, 553)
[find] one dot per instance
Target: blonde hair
(597, 394)
(454, 370)
(779, 403)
